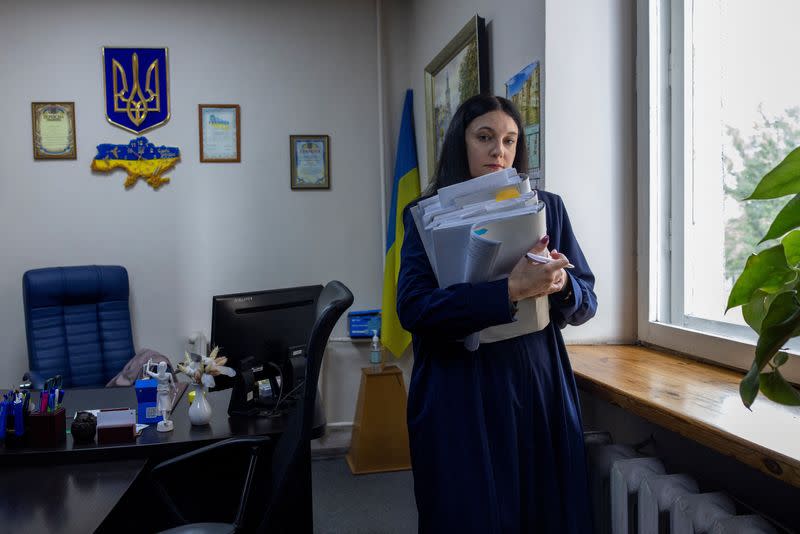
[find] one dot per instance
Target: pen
(44, 397)
(545, 260)
(3, 415)
(19, 424)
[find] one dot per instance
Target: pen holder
(47, 429)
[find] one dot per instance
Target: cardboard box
(147, 402)
(116, 425)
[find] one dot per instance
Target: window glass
(741, 117)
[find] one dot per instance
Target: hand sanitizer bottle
(375, 356)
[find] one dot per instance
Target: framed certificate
(220, 140)
(54, 130)
(310, 160)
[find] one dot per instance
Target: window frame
(660, 126)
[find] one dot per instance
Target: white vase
(200, 409)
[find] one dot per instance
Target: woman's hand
(561, 276)
(530, 279)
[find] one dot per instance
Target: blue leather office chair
(78, 324)
(288, 449)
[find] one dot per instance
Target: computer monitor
(262, 325)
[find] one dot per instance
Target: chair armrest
(35, 379)
(157, 472)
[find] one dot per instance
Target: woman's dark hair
(453, 166)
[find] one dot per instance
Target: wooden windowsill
(697, 400)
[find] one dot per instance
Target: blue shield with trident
(136, 87)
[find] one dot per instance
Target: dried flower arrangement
(201, 370)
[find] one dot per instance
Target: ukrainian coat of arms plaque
(136, 87)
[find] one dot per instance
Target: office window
(718, 106)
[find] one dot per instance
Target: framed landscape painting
(459, 71)
(523, 89)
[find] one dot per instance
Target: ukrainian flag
(404, 190)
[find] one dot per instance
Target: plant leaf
(780, 359)
(776, 388)
(783, 180)
(767, 271)
(791, 248)
(787, 219)
(748, 387)
(778, 326)
(755, 310)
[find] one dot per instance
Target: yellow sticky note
(505, 194)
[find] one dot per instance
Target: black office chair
(289, 447)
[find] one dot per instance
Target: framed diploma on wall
(54, 130)
(310, 160)
(220, 137)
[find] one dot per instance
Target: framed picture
(459, 71)
(310, 160)
(524, 90)
(54, 130)
(220, 137)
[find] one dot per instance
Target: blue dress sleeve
(447, 313)
(577, 303)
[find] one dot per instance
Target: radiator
(626, 479)
(657, 494)
(632, 494)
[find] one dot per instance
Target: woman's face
(491, 143)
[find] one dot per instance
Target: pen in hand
(544, 260)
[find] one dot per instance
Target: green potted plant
(768, 289)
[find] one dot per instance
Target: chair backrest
(332, 302)
(78, 322)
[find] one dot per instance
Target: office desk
(63, 498)
(150, 445)
(184, 437)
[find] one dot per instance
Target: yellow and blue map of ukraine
(140, 158)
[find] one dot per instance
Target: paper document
(116, 417)
(486, 183)
(512, 236)
(476, 231)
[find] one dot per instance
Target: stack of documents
(476, 231)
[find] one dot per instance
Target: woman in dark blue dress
(496, 435)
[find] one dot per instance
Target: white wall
(589, 148)
(216, 228)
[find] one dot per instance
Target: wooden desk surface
(63, 498)
(696, 400)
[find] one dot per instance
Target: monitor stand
(245, 399)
